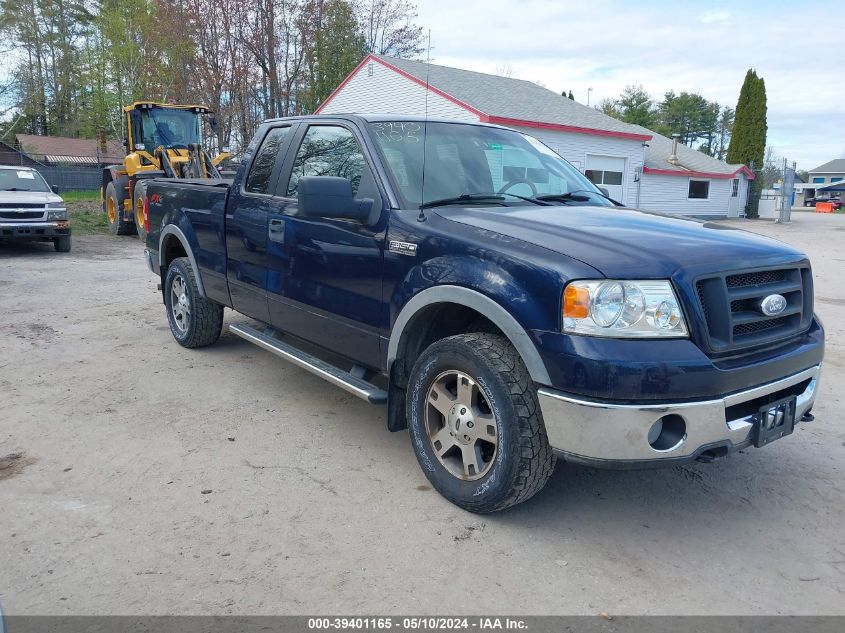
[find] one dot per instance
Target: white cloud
(607, 44)
(716, 16)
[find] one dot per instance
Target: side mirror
(331, 197)
(212, 123)
(55, 189)
(604, 191)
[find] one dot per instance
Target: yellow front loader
(162, 140)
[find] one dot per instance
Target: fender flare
(172, 229)
(486, 306)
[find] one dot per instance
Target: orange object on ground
(824, 207)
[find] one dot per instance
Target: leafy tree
(748, 139)
(77, 62)
(337, 48)
(687, 114)
(718, 145)
(637, 107)
(610, 107)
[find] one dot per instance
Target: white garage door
(607, 172)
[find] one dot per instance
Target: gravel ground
(142, 478)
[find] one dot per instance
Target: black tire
(202, 322)
(522, 460)
(138, 212)
(62, 244)
(115, 214)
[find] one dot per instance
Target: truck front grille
(731, 306)
(21, 205)
(21, 215)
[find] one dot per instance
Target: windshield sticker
(494, 146)
(398, 131)
(26, 174)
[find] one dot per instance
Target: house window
(734, 187)
(835, 178)
(699, 189)
(818, 178)
(599, 177)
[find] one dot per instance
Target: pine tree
(748, 137)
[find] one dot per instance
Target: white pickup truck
(30, 209)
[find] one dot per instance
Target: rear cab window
(260, 177)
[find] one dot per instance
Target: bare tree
(389, 29)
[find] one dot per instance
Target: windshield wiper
(569, 195)
(479, 197)
(579, 195)
(464, 197)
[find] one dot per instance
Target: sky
(703, 47)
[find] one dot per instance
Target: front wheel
(194, 320)
(62, 243)
(475, 423)
(113, 206)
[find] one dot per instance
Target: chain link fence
(775, 188)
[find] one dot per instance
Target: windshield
(21, 180)
(466, 160)
(170, 128)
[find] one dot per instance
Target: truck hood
(628, 243)
(28, 197)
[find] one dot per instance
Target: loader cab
(151, 125)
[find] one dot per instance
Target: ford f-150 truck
(501, 306)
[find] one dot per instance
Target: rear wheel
(140, 216)
(475, 423)
(114, 212)
(194, 320)
(62, 243)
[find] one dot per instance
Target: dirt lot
(145, 478)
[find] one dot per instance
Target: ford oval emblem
(773, 305)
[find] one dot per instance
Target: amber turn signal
(576, 302)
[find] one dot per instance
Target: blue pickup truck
(502, 307)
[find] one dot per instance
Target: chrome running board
(353, 384)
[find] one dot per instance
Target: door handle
(276, 231)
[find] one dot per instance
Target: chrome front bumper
(602, 433)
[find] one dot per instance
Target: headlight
(622, 309)
(56, 205)
(56, 214)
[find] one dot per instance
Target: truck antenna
(421, 217)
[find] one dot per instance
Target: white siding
(576, 147)
(668, 194)
(388, 92)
